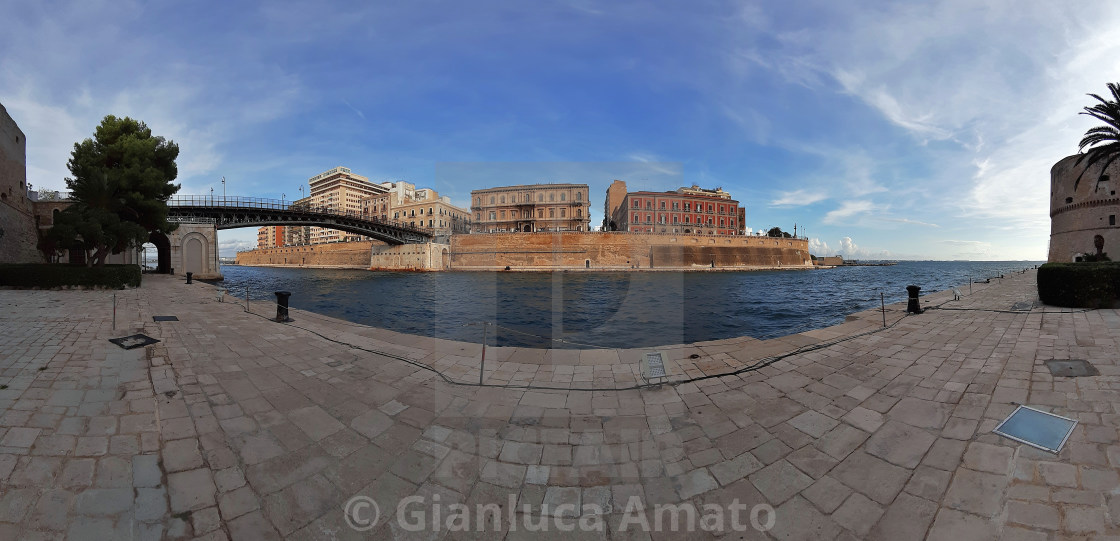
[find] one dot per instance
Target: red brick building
(691, 210)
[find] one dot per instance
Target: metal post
(482, 367)
(114, 311)
(246, 297)
(883, 307)
(969, 284)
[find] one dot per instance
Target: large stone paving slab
(237, 427)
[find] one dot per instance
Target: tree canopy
(122, 178)
(777, 232)
(1103, 142)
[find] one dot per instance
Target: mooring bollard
(912, 305)
(189, 275)
(282, 305)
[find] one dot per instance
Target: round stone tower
(1083, 209)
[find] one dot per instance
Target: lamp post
(211, 196)
(223, 188)
(282, 197)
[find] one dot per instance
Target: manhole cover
(134, 341)
(1022, 306)
(164, 318)
(1071, 368)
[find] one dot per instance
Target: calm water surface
(608, 309)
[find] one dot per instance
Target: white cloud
(848, 209)
(798, 198)
(847, 248)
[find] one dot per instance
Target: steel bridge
(234, 212)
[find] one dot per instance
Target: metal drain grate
(1071, 368)
(164, 318)
(1022, 306)
(134, 341)
(1037, 428)
(654, 366)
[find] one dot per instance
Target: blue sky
(883, 129)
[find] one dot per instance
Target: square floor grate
(1037, 428)
(164, 318)
(654, 365)
(134, 341)
(1071, 368)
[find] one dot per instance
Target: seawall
(340, 255)
(624, 251)
(548, 251)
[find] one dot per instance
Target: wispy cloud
(909, 221)
(798, 198)
(848, 209)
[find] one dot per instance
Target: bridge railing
(241, 203)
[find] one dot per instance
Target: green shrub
(45, 276)
(1079, 285)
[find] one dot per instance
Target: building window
(649, 205)
(478, 216)
(563, 196)
(503, 199)
(503, 215)
(563, 212)
(540, 197)
(636, 203)
(636, 219)
(491, 200)
(552, 197)
(540, 213)
(579, 213)
(662, 205)
(579, 196)
(1111, 219)
(492, 216)
(551, 213)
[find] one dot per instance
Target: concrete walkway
(237, 427)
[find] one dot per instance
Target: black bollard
(282, 306)
(913, 306)
(189, 275)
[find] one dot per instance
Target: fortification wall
(18, 237)
(339, 255)
(418, 257)
(1082, 209)
(623, 250)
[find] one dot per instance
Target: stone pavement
(237, 427)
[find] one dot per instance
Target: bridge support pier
(194, 248)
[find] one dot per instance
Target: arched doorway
(446, 257)
(163, 252)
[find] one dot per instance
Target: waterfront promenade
(237, 427)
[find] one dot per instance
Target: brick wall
(621, 250)
(342, 255)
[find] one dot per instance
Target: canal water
(603, 309)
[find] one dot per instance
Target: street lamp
(223, 188)
(211, 196)
(282, 197)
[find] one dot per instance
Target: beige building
(271, 236)
(1083, 211)
(531, 207)
(419, 208)
(616, 196)
(339, 190)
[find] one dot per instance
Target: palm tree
(1107, 137)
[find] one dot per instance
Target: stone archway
(446, 259)
(195, 254)
(163, 251)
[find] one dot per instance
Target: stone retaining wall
(623, 250)
(340, 255)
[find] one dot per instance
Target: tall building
(531, 207)
(339, 190)
(271, 236)
(298, 235)
(692, 210)
(616, 193)
(420, 208)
